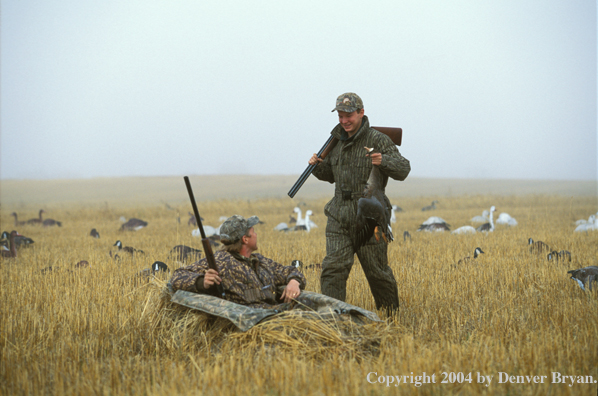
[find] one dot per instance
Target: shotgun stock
(395, 134)
(207, 247)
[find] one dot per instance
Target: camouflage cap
(235, 227)
(348, 102)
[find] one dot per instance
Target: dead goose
(585, 276)
(488, 227)
(133, 225)
(430, 207)
(372, 217)
(182, 252)
(127, 249)
(467, 259)
(538, 246)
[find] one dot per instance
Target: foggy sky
(497, 89)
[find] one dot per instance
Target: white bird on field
(281, 227)
(393, 217)
(481, 219)
(464, 230)
(490, 225)
(434, 220)
(583, 221)
(505, 218)
(589, 226)
(209, 230)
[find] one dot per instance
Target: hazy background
(498, 89)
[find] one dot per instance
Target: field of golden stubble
(97, 331)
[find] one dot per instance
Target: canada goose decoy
(82, 264)
(182, 252)
(36, 220)
(563, 255)
(314, 267)
(127, 249)
(51, 222)
(94, 233)
(17, 222)
(464, 230)
(585, 276)
(430, 207)
(156, 268)
(372, 217)
(488, 227)
(20, 240)
(133, 225)
(506, 219)
(297, 264)
(481, 219)
(538, 246)
(406, 235)
(12, 251)
(467, 259)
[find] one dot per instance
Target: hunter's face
(251, 240)
(350, 121)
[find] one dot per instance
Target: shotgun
(207, 247)
(395, 134)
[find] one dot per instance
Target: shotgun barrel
(204, 240)
(395, 134)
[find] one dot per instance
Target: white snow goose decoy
(488, 227)
(464, 230)
(372, 217)
(481, 219)
(434, 224)
(585, 276)
(590, 225)
(506, 219)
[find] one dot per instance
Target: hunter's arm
(323, 171)
(190, 278)
(393, 164)
(283, 273)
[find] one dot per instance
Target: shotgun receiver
(395, 134)
(207, 247)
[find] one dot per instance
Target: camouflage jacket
(248, 281)
(348, 167)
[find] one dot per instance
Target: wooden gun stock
(204, 240)
(395, 134)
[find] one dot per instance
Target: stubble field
(99, 330)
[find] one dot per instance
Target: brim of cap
(346, 109)
(253, 220)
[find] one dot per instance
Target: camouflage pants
(337, 264)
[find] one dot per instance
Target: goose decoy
(538, 246)
(297, 264)
(20, 240)
(585, 276)
(314, 267)
(12, 251)
(209, 231)
(430, 207)
(584, 221)
(36, 220)
(488, 227)
(590, 225)
(127, 249)
(281, 227)
(192, 220)
(481, 219)
(435, 220)
(182, 252)
(434, 224)
(393, 216)
(51, 222)
(506, 219)
(299, 220)
(292, 220)
(17, 222)
(94, 233)
(133, 225)
(563, 255)
(82, 264)
(467, 259)
(406, 235)
(464, 230)
(156, 268)
(372, 217)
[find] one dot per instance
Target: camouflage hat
(348, 102)
(235, 227)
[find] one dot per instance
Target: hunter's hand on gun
(211, 277)
(314, 160)
(291, 291)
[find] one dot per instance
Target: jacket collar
(340, 133)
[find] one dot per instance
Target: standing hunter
(349, 167)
